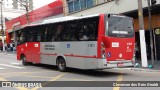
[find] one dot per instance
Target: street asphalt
(13, 70)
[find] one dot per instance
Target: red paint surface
(127, 53)
(101, 31)
(30, 50)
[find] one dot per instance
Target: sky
(40, 3)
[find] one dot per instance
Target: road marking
(120, 78)
(2, 79)
(36, 76)
(75, 79)
(16, 74)
(9, 54)
(25, 72)
(2, 68)
(15, 63)
(53, 79)
(11, 66)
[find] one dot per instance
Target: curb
(144, 69)
(138, 69)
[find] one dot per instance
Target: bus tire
(61, 64)
(24, 62)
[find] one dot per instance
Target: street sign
(157, 31)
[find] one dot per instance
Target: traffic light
(153, 2)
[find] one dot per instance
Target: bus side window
(88, 30)
(45, 35)
(22, 37)
(38, 37)
(83, 32)
(58, 33)
(31, 36)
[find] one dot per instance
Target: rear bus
(116, 42)
(91, 42)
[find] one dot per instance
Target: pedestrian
(11, 46)
(137, 52)
(8, 48)
(5, 47)
(14, 48)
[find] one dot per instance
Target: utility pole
(142, 35)
(151, 31)
(2, 28)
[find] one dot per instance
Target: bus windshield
(119, 26)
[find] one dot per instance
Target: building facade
(126, 7)
(52, 10)
(12, 9)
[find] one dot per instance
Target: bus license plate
(120, 64)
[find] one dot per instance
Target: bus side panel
(48, 53)
(33, 52)
(77, 54)
(91, 62)
(36, 53)
(75, 62)
(28, 52)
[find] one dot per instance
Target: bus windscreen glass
(119, 26)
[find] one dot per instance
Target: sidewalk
(155, 68)
(7, 52)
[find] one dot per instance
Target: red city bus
(90, 42)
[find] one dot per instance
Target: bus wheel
(61, 65)
(24, 62)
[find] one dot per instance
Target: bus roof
(61, 19)
(56, 20)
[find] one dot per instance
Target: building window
(70, 6)
(83, 4)
(89, 3)
(77, 5)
